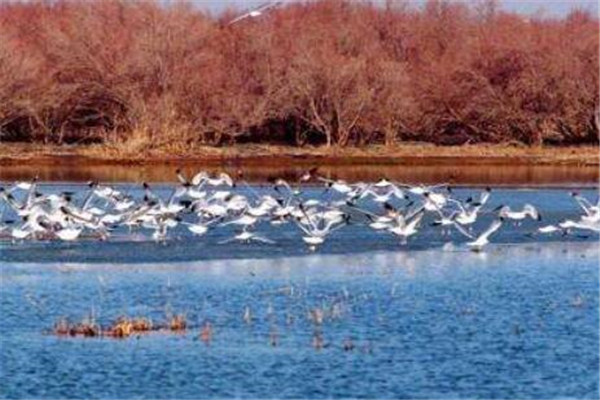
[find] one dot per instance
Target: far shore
(275, 155)
(410, 163)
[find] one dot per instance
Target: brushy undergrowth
(144, 75)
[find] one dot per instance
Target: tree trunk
(390, 135)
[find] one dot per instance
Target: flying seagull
(256, 12)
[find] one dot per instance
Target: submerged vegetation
(143, 75)
(122, 327)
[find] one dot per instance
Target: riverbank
(272, 155)
(417, 163)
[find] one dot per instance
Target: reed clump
(138, 77)
(123, 327)
(86, 328)
(141, 324)
(178, 323)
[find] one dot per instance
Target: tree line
(324, 72)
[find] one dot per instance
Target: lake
(425, 319)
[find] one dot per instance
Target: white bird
(203, 177)
(592, 212)
(69, 234)
(199, 228)
(549, 229)
(21, 233)
(256, 12)
(383, 197)
(283, 183)
(383, 182)
(422, 189)
(527, 211)
(246, 220)
(339, 185)
(483, 239)
(484, 196)
(246, 237)
(405, 227)
(434, 201)
(315, 235)
(467, 211)
(582, 225)
(377, 222)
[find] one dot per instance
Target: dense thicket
(331, 72)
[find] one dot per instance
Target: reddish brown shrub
(330, 71)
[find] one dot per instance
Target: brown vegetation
(122, 327)
(328, 72)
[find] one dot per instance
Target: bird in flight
(256, 11)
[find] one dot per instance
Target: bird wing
(462, 230)
(304, 229)
(458, 203)
(231, 239)
(493, 228)
(263, 239)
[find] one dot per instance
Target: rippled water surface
(425, 320)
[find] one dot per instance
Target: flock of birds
(207, 202)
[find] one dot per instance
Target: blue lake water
(519, 320)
